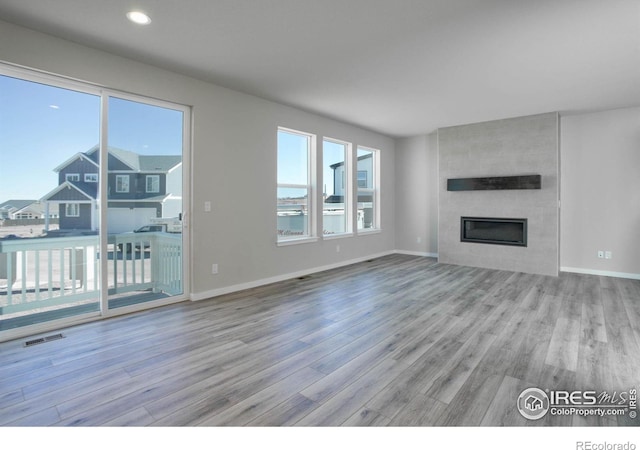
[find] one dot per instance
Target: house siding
(79, 166)
(137, 186)
(76, 223)
(129, 205)
(68, 195)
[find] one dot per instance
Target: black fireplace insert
(485, 230)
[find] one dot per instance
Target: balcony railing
(46, 273)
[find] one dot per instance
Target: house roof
(360, 158)
(155, 163)
(132, 160)
(86, 190)
(16, 204)
(78, 155)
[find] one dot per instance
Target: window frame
(72, 177)
(366, 178)
(374, 190)
(75, 206)
(347, 183)
(311, 227)
(90, 177)
(101, 285)
(146, 184)
(123, 177)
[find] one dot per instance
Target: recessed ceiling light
(138, 17)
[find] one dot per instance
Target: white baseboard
(288, 276)
(408, 252)
(603, 273)
(262, 282)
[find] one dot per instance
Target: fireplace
(486, 230)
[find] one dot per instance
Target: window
(72, 210)
(294, 192)
(336, 216)
(362, 178)
(90, 177)
(368, 185)
(153, 183)
(122, 183)
(72, 177)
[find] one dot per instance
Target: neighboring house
(140, 187)
(25, 209)
(364, 179)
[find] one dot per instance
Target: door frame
(60, 81)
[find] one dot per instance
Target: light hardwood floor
(396, 341)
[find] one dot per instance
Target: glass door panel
(144, 202)
(49, 216)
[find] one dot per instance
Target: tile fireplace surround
(523, 145)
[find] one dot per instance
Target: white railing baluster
(23, 264)
(10, 278)
(74, 272)
(61, 272)
(50, 272)
(37, 274)
(115, 266)
(142, 271)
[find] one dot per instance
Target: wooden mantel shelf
(495, 183)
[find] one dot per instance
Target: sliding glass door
(144, 201)
(92, 201)
(48, 229)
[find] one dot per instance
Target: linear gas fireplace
(486, 230)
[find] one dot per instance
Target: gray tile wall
(518, 146)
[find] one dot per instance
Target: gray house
(364, 179)
(140, 187)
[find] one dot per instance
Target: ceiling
(399, 67)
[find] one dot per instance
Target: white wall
(417, 194)
(233, 165)
(600, 191)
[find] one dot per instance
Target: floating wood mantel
(495, 183)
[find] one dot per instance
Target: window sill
(369, 231)
(295, 241)
(329, 237)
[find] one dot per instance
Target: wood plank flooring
(396, 341)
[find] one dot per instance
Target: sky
(292, 162)
(42, 126)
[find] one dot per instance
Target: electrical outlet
(207, 206)
(338, 248)
(600, 254)
(608, 255)
(418, 239)
(214, 269)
